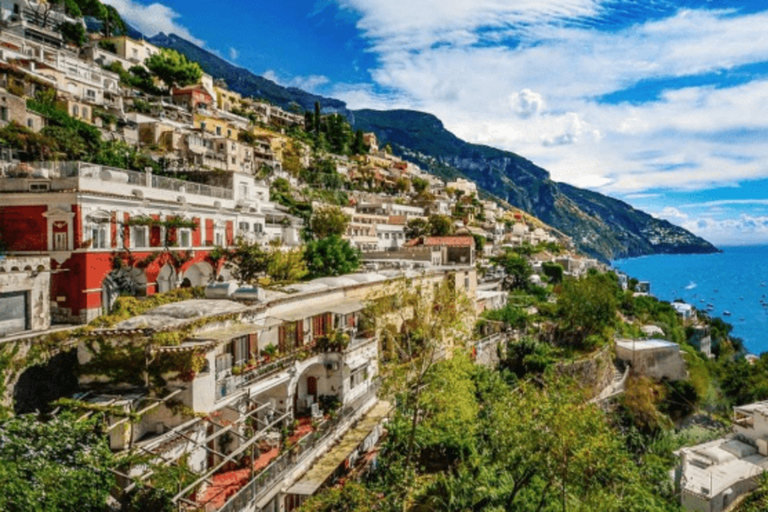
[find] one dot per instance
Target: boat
(726, 313)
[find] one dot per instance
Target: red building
(108, 231)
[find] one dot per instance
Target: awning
(229, 333)
(300, 313)
(322, 470)
(347, 307)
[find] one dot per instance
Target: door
(14, 313)
(312, 388)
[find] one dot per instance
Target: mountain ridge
(600, 225)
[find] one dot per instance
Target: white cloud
(152, 19)
(537, 98)
(311, 83)
(233, 54)
(526, 103)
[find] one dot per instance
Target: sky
(660, 103)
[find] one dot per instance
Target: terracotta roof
(450, 241)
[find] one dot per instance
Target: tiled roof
(450, 241)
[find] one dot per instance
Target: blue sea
(734, 281)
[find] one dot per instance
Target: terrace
(99, 178)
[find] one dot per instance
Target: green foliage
(586, 308)
(285, 267)
(331, 256)
(173, 68)
(329, 221)
(553, 271)
(529, 356)
(73, 33)
(516, 268)
(511, 315)
(440, 225)
(322, 174)
(138, 77)
(31, 145)
(247, 261)
(352, 497)
(420, 185)
(59, 465)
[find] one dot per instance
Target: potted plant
(270, 351)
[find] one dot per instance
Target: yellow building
(226, 100)
(215, 126)
(134, 50)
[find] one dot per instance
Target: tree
(247, 262)
(420, 320)
(553, 271)
(331, 256)
(440, 225)
(316, 119)
(586, 307)
(60, 465)
(286, 267)
(420, 185)
(328, 221)
(415, 228)
(173, 68)
(359, 147)
(517, 270)
(73, 33)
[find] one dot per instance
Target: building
(86, 217)
(391, 236)
(134, 51)
(657, 359)
(686, 311)
(713, 476)
(456, 250)
(25, 295)
(468, 187)
(303, 361)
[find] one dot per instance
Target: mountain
(243, 81)
(599, 225)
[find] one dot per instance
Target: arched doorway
(166, 279)
(199, 274)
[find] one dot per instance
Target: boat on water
(726, 313)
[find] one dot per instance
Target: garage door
(13, 312)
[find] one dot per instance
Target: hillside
(601, 226)
(242, 80)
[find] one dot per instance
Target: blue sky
(661, 103)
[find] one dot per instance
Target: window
(39, 186)
(185, 238)
(3, 113)
(229, 134)
(219, 239)
(258, 228)
(243, 227)
(85, 112)
(139, 236)
(75, 110)
(240, 350)
(91, 94)
(60, 242)
(218, 130)
(98, 232)
(30, 123)
(202, 126)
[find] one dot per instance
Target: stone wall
(594, 372)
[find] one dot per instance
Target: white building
(713, 476)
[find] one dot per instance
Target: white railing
(62, 170)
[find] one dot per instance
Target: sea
(734, 283)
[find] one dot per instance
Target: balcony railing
(61, 170)
(300, 452)
(233, 383)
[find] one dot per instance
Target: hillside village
(249, 302)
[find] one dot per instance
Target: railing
(231, 384)
(297, 454)
(60, 170)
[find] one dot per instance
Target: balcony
(86, 176)
(230, 384)
(302, 449)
